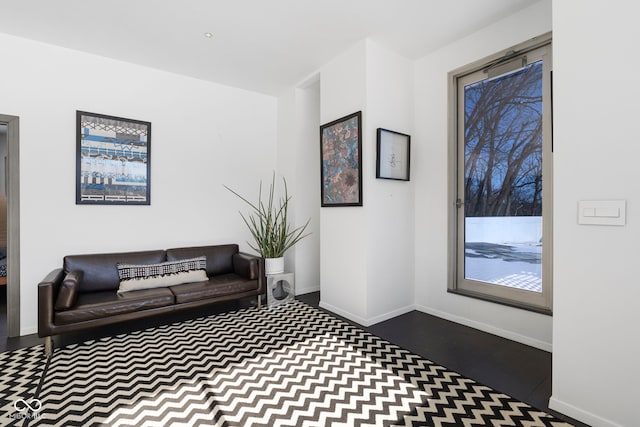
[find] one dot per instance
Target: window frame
(457, 283)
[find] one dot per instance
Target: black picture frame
(393, 155)
(341, 161)
(113, 160)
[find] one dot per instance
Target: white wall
(431, 173)
(343, 231)
(367, 252)
(595, 326)
(204, 135)
(308, 185)
(390, 206)
(299, 162)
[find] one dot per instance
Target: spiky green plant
(269, 225)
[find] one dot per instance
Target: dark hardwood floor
(512, 368)
(518, 370)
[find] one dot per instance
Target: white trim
(391, 314)
(359, 320)
(510, 335)
(580, 414)
(28, 331)
(367, 322)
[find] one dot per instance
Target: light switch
(607, 212)
(602, 212)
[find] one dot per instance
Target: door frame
(543, 304)
(13, 224)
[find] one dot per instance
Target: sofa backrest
(219, 257)
(100, 272)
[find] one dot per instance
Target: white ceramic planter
(274, 265)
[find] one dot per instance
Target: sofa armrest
(252, 268)
(246, 265)
(68, 290)
(47, 292)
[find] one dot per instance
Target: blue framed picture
(113, 160)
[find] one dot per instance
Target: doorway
(3, 231)
(504, 179)
(9, 225)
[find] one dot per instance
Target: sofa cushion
(68, 291)
(217, 286)
(168, 273)
(99, 270)
(219, 257)
(96, 305)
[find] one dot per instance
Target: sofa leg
(259, 301)
(48, 346)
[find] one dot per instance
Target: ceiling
(259, 45)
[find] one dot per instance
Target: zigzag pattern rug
(292, 365)
(21, 371)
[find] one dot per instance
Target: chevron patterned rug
(20, 374)
(292, 365)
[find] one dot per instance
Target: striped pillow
(170, 273)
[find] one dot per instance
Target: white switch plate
(602, 212)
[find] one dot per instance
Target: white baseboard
(28, 331)
(580, 414)
(391, 314)
(361, 320)
(542, 345)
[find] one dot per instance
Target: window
(501, 188)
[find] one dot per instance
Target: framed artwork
(393, 152)
(113, 160)
(341, 161)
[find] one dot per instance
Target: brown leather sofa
(83, 294)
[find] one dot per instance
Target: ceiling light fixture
(208, 35)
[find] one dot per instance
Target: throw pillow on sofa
(170, 273)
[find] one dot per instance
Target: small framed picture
(113, 160)
(341, 161)
(393, 155)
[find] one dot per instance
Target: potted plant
(269, 226)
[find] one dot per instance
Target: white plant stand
(280, 288)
